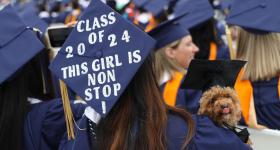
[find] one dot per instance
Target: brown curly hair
(214, 100)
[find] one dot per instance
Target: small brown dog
(223, 107)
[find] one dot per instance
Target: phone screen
(58, 36)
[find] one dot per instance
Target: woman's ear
(170, 52)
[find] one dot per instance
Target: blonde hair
(163, 63)
(262, 51)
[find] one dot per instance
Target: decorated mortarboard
(257, 16)
(168, 32)
(203, 74)
(156, 7)
(18, 44)
(101, 56)
(199, 11)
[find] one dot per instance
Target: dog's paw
(249, 142)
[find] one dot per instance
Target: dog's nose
(224, 106)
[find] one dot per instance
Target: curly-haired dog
(223, 107)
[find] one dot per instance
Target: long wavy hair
(139, 119)
(14, 93)
(13, 108)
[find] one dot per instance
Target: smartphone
(57, 35)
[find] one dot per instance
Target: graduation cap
(31, 19)
(168, 32)
(101, 56)
(203, 74)
(29, 6)
(257, 16)
(18, 44)
(140, 3)
(226, 4)
(156, 7)
(199, 11)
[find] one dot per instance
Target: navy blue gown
(45, 130)
(186, 98)
(45, 124)
(267, 102)
(223, 53)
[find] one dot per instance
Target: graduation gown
(218, 52)
(267, 102)
(207, 136)
(183, 98)
(45, 124)
(45, 130)
(266, 95)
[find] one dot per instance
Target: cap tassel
(229, 39)
(67, 110)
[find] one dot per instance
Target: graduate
(258, 43)
(202, 27)
(219, 101)
(173, 52)
(196, 12)
(129, 112)
(21, 82)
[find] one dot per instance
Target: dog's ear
(232, 94)
(205, 102)
(238, 111)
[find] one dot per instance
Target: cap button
(98, 54)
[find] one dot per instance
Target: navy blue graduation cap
(140, 3)
(101, 56)
(29, 6)
(156, 7)
(226, 4)
(18, 44)
(203, 74)
(168, 32)
(258, 16)
(199, 11)
(31, 19)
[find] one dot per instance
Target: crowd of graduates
(129, 90)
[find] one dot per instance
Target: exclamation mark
(103, 107)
